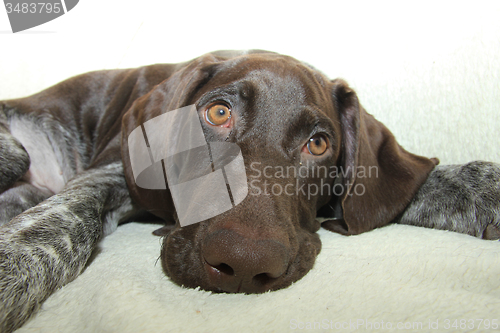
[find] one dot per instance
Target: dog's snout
(235, 263)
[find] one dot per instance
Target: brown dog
(278, 105)
(309, 149)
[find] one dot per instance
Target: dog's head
(309, 149)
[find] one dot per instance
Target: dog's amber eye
(317, 145)
(218, 114)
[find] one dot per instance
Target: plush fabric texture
(398, 275)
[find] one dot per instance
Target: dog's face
(299, 134)
(279, 113)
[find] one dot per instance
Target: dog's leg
(14, 160)
(15, 196)
(461, 198)
(48, 245)
(18, 198)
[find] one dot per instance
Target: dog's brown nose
(235, 263)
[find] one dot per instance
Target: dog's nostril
(235, 263)
(262, 279)
(224, 268)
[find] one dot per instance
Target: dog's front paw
(35, 260)
(17, 283)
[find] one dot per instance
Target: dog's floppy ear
(378, 177)
(175, 92)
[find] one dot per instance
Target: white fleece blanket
(390, 278)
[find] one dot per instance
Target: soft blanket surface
(397, 275)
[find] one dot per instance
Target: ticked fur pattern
(48, 245)
(461, 198)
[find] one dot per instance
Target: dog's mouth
(224, 261)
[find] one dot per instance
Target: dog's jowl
(284, 144)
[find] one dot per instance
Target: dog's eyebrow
(229, 91)
(306, 123)
(218, 93)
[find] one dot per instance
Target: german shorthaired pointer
(310, 150)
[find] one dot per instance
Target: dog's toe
(492, 232)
